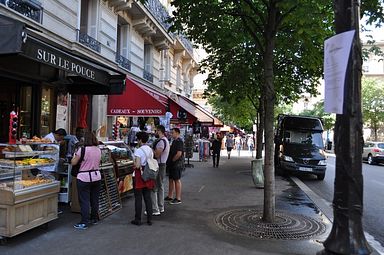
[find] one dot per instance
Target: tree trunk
(269, 104)
(260, 129)
(347, 235)
(375, 130)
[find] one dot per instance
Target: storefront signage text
(138, 112)
(52, 59)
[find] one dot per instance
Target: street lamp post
(347, 235)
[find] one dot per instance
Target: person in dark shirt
(216, 148)
(175, 165)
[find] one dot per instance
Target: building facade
(123, 37)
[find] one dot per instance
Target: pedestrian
(250, 143)
(57, 138)
(161, 150)
(238, 144)
(175, 165)
(88, 180)
(229, 145)
(216, 148)
(142, 189)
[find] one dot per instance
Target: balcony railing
(29, 8)
(148, 76)
(187, 44)
(159, 12)
(89, 41)
(123, 62)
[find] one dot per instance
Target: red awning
(156, 94)
(176, 111)
(216, 121)
(135, 101)
(191, 108)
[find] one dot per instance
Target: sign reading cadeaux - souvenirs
(336, 55)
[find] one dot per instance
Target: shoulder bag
(151, 168)
(76, 168)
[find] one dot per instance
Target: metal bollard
(258, 173)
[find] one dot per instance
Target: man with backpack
(161, 150)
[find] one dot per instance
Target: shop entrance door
(8, 99)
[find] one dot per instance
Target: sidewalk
(188, 228)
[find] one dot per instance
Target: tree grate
(248, 222)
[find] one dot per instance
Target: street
(373, 219)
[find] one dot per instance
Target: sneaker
(136, 222)
(168, 199)
(80, 226)
(94, 221)
(175, 201)
(161, 210)
(154, 214)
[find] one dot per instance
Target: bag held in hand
(151, 169)
(76, 168)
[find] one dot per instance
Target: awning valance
(192, 109)
(135, 101)
(80, 75)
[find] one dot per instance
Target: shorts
(229, 149)
(175, 174)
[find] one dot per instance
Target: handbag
(76, 168)
(151, 168)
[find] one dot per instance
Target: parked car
(373, 152)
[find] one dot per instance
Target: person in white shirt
(55, 137)
(142, 189)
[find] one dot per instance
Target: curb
(327, 210)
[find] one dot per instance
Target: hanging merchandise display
(13, 125)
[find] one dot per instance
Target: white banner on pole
(336, 55)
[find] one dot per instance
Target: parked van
(299, 145)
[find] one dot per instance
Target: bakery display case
(27, 197)
(122, 158)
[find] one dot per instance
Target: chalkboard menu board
(109, 199)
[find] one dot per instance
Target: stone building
(84, 51)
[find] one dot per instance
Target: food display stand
(122, 159)
(26, 200)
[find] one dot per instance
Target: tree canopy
(373, 104)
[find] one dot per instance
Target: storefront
(138, 108)
(37, 77)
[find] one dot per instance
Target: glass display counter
(27, 198)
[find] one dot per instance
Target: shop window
(25, 114)
(46, 114)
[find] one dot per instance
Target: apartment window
(167, 68)
(178, 77)
(88, 24)
(148, 62)
(30, 9)
(123, 45)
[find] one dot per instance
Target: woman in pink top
(88, 180)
